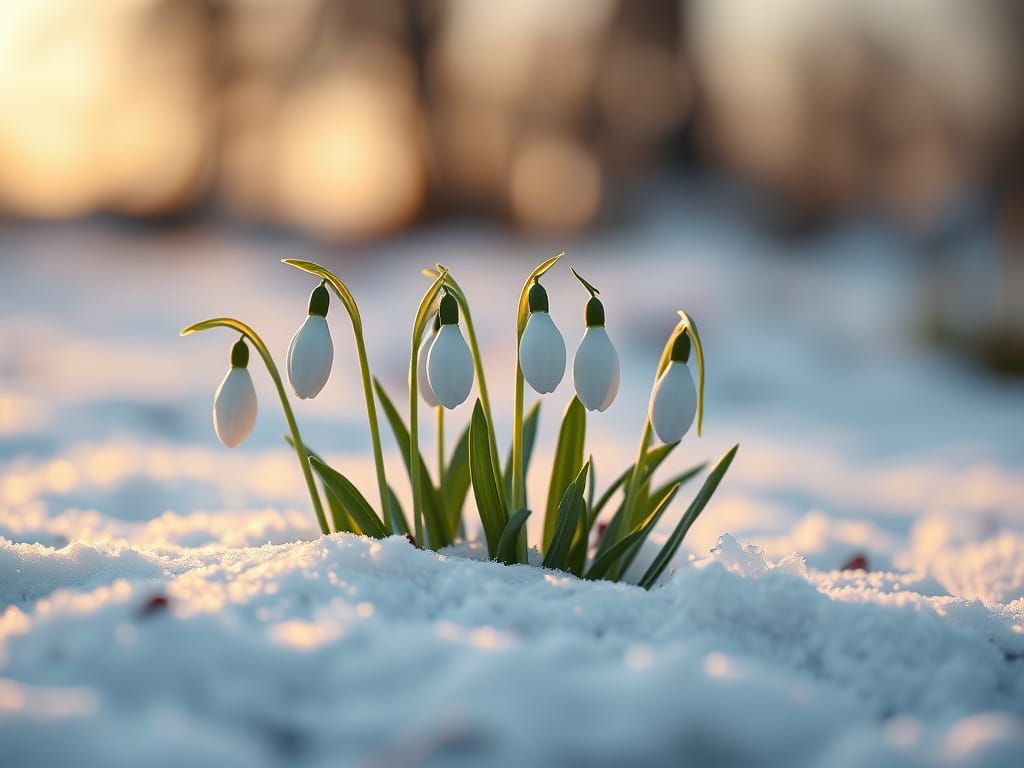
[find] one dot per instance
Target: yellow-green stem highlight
(474, 347)
(418, 326)
(300, 448)
(349, 302)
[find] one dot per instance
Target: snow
(164, 601)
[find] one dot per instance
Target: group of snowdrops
(442, 369)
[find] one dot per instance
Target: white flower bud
(234, 407)
(310, 356)
(542, 353)
(595, 371)
(450, 367)
(422, 379)
(673, 403)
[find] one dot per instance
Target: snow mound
(346, 650)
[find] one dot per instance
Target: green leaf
(398, 522)
(630, 544)
(651, 465)
(571, 506)
(567, 463)
(455, 483)
(437, 528)
(507, 545)
(657, 504)
(681, 479)
(360, 512)
(581, 541)
(529, 438)
(591, 486)
(339, 517)
(692, 513)
(489, 500)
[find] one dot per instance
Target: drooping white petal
(595, 371)
(422, 379)
(673, 403)
(234, 407)
(310, 356)
(542, 353)
(450, 367)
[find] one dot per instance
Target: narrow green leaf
(398, 522)
(506, 552)
(339, 517)
(659, 503)
(681, 479)
(571, 506)
(631, 543)
(581, 541)
(567, 463)
(455, 483)
(692, 513)
(358, 508)
(529, 438)
(591, 486)
(490, 503)
(651, 465)
(437, 527)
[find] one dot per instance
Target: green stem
(348, 300)
(440, 446)
(478, 361)
(518, 476)
(300, 448)
(418, 326)
(522, 315)
(685, 325)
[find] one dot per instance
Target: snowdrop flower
(595, 371)
(449, 361)
(674, 398)
(234, 405)
(421, 367)
(541, 348)
(311, 351)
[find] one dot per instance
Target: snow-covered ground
(167, 602)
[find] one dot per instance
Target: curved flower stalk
(300, 449)
(522, 318)
(449, 362)
(674, 397)
(686, 327)
(478, 362)
(426, 391)
(349, 302)
(595, 369)
(311, 351)
(423, 316)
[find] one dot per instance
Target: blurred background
(348, 122)
(834, 189)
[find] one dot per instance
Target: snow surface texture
(167, 602)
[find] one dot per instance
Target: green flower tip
(448, 312)
(319, 300)
(595, 312)
(681, 348)
(240, 354)
(538, 298)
